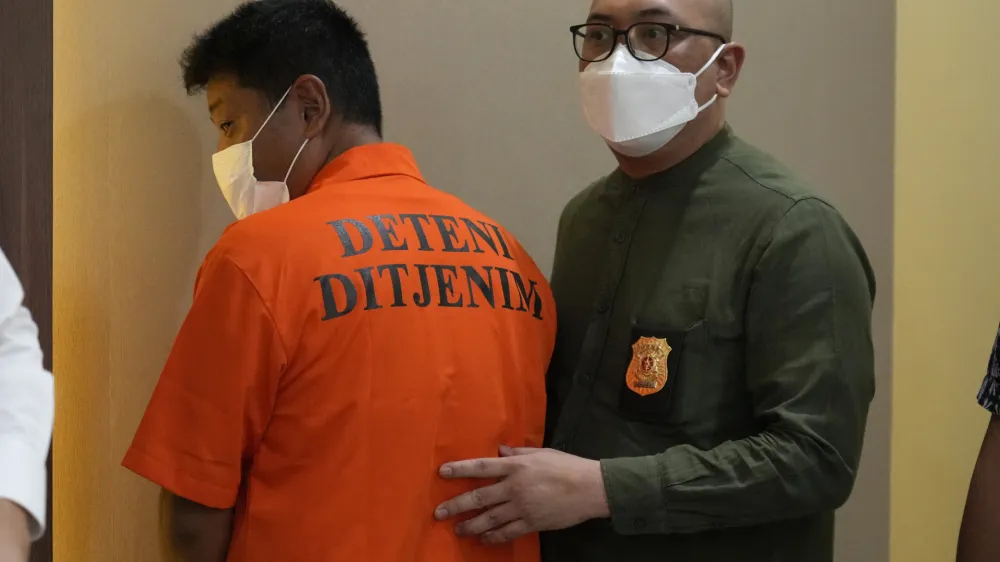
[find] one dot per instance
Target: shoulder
(791, 223)
(813, 214)
(251, 255)
(267, 239)
(813, 234)
(234, 244)
(762, 175)
(774, 201)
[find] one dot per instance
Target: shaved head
(722, 16)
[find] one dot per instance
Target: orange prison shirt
(339, 349)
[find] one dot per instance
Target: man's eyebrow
(597, 16)
(215, 105)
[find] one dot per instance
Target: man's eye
(226, 127)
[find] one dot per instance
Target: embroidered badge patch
(647, 373)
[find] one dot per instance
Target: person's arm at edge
(200, 472)
(979, 537)
(811, 373)
(26, 402)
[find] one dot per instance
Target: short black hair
(267, 44)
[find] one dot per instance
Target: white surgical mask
(638, 106)
(235, 174)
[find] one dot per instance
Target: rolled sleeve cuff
(177, 482)
(22, 481)
(989, 395)
(635, 495)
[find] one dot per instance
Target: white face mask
(235, 174)
(638, 106)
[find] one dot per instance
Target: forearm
(764, 478)
(194, 533)
(14, 536)
(979, 539)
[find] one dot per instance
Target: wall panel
(136, 208)
(947, 264)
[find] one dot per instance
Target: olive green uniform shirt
(764, 296)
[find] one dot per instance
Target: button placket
(592, 351)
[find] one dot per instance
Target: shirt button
(621, 238)
(603, 306)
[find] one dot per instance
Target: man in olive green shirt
(714, 366)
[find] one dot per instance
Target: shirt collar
(366, 162)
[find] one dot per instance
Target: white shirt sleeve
(26, 404)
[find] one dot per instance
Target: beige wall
(134, 210)
(947, 228)
(484, 92)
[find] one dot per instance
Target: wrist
(599, 508)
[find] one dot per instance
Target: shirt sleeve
(989, 393)
(26, 405)
(810, 373)
(215, 395)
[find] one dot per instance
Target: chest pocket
(656, 369)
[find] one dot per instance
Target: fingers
(493, 519)
(479, 468)
(508, 533)
(483, 498)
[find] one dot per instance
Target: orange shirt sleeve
(215, 395)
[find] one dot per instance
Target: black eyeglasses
(594, 42)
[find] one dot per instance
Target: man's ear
(730, 65)
(314, 104)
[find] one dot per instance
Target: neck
(353, 136)
(690, 141)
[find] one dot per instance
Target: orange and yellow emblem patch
(647, 373)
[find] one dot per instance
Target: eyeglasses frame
(669, 27)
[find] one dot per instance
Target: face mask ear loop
(708, 103)
(712, 60)
(294, 160)
(273, 111)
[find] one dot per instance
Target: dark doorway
(26, 167)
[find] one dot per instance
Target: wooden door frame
(26, 170)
